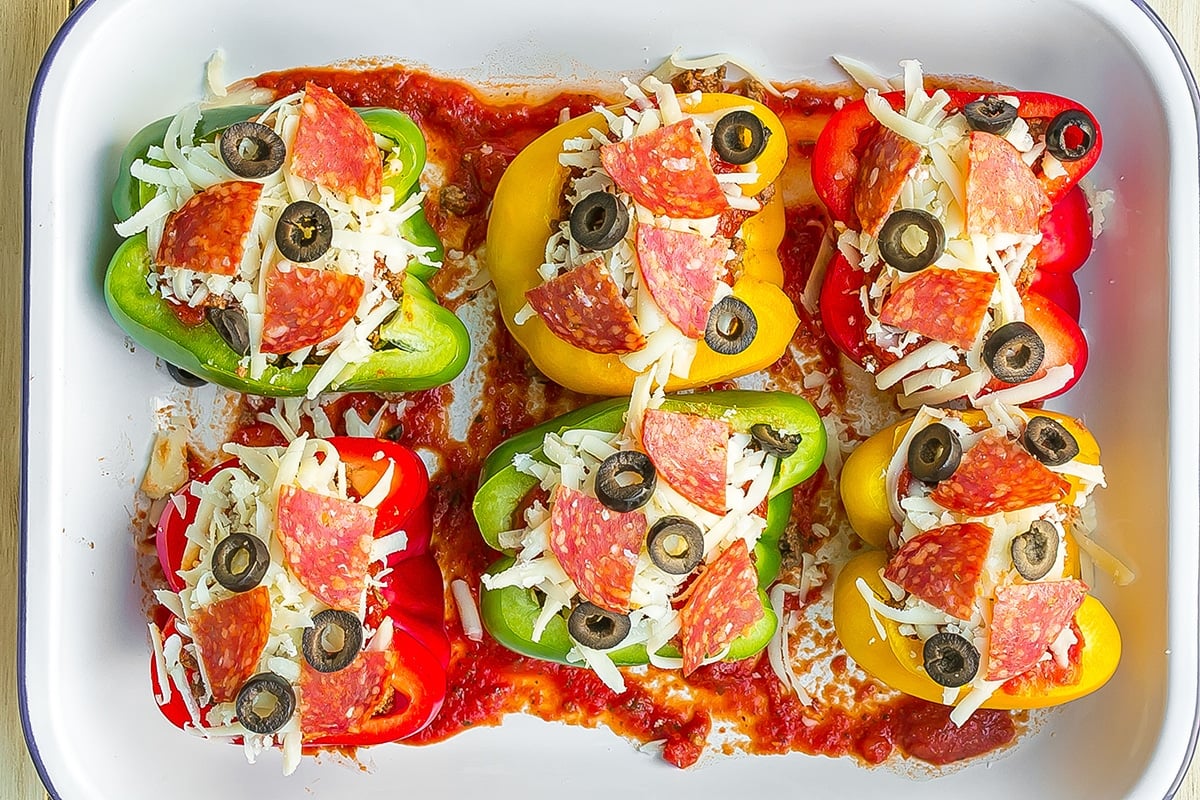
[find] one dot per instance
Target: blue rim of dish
(35, 97)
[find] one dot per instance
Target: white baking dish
(90, 719)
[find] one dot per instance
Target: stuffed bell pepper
(657, 546)
(944, 204)
(973, 597)
(304, 609)
(282, 251)
(643, 239)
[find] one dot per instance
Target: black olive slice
(183, 377)
(740, 137)
(239, 561)
(333, 640)
(1049, 442)
(1014, 352)
(251, 150)
(775, 442)
(598, 221)
(232, 326)
(596, 627)
(304, 232)
(675, 545)
(1070, 136)
(394, 433)
(934, 453)
(624, 495)
(731, 326)
(911, 239)
(1035, 551)
(265, 703)
(990, 115)
(950, 660)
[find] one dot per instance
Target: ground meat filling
(700, 80)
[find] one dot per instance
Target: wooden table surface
(30, 27)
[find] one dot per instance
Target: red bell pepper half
(1066, 230)
(412, 594)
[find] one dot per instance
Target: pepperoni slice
(334, 148)
(997, 474)
(690, 453)
(1026, 619)
(208, 232)
(584, 307)
(305, 306)
(942, 566)
(338, 702)
(667, 172)
(597, 547)
(947, 305)
(231, 635)
(1003, 194)
(886, 163)
(327, 544)
(681, 270)
(722, 603)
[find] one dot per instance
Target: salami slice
(305, 306)
(690, 453)
(208, 232)
(327, 544)
(681, 270)
(947, 305)
(997, 474)
(334, 148)
(584, 307)
(1003, 194)
(597, 547)
(338, 702)
(667, 172)
(942, 566)
(231, 635)
(722, 603)
(886, 163)
(1026, 619)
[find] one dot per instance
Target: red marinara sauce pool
(472, 138)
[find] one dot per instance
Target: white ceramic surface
(118, 64)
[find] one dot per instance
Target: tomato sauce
(472, 138)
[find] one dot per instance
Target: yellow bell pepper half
(527, 209)
(897, 659)
(864, 475)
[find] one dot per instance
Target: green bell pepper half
(422, 345)
(509, 613)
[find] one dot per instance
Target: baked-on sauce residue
(740, 705)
